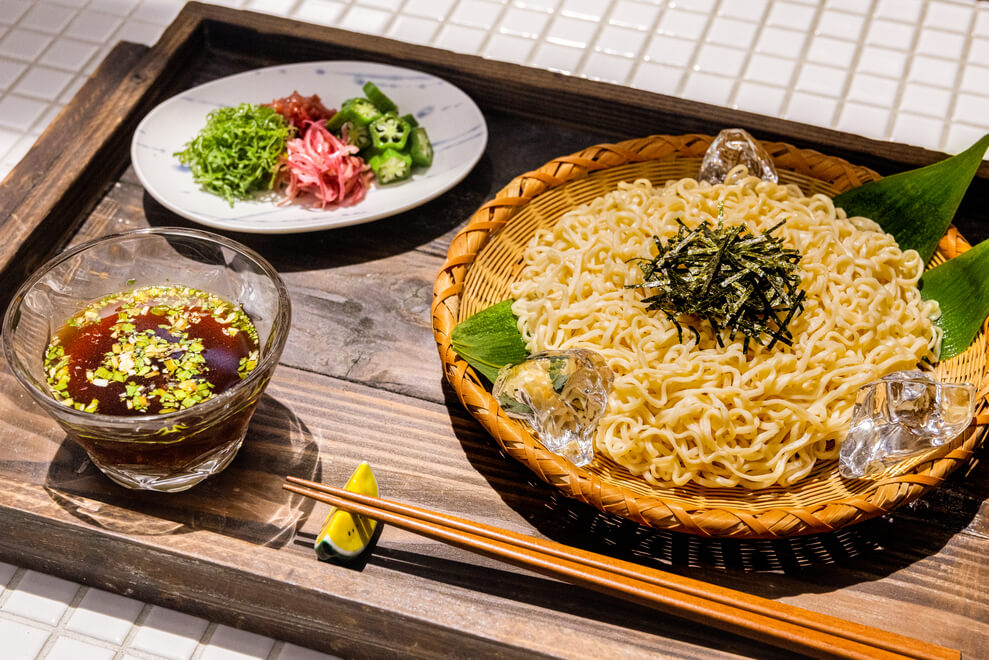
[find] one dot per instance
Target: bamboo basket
(485, 257)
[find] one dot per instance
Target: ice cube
(561, 395)
(734, 146)
(902, 415)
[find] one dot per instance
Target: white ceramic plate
(453, 121)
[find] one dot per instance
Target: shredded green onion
(237, 152)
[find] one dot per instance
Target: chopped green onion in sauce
(154, 350)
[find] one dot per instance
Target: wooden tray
(360, 379)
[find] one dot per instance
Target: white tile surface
(556, 57)
(93, 26)
(927, 100)
(791, 15)
(12, 10)
(459, 37)
(811, 108)
(67, 648)
(915, 71)
(604, 66)
(639, 15)
(917, 130)
(827, 80)
(47, 17)
(859, 118)
(708, 88)
(900, 10)
(685, 24)
(23, 45)
(882, 61)
(231, 644)
(773, 70)
(891, 34)
(840, 24)
(670, 50)
(933, 70)
(523, 22)
(949, 16)
(365, 19)
(756, 97)
(413, 30)
(828, 50)
(508, 48)
(437, 9)
(940, 43)
(971, 108)
(720, 59)
(658, 78)
(872, 89)
(21, 641)
(67, 53)
(620, 40)
(293, 652)
(10, 71)
(6, 570)
(781, 41)
(478, 13)
(173, 635)
(735, 32)
(105, 616)
(42, 82)
(750, 10)
(40, 597)
(589, 9)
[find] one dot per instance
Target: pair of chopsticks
(768, 621)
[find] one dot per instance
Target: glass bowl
(170, 451)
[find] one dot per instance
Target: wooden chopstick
(774, 623)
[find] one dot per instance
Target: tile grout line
(11, 587)
(963, 62)
(853, 66)
(901, 84)
(204, 640)
(482, 46)
(640, 57)
(139, 620)
(59, 627)
(35, 64)
(801, 61)
(740, 78)
(588, 49)
(540, 38)
(6, 93)
(694, 56)
(391, 19)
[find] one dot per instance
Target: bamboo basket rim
(699, 514)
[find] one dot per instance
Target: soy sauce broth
(152, 350)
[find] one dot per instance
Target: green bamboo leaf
(961, 287)
(490, 339)
(917, 206)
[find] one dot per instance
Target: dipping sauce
(153, 350)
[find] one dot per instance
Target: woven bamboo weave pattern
(485, 257)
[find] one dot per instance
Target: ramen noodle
(719, 416)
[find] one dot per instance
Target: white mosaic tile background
(42, 616)
(912, 71)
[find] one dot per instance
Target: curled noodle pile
(697, 412)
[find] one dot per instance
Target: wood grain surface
(360, 380)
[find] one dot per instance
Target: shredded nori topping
(737, 281)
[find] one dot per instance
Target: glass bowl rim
(283, 313)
